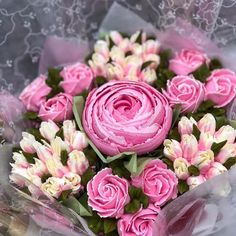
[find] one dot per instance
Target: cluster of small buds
(123, 58)
(207, 152)
(54, 162)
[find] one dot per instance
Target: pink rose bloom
(108, 194)
(126, 116)
(186, 91)
(221, 87)
(157, 182)
(187, 61)
(77, 78)
(139, 223)
(35, 94)
(58, 108)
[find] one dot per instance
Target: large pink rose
(108, 194)
(126, 116)
(35, 93)
(186, 91)
(138, 224)
(187, 61)
(77, 78)
(221, 87)
(58, 108)
(157, 182)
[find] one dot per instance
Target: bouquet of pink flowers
(119, 137)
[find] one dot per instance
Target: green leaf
(176, 113)
(87, 176)
(121, 171)
(132, 165)
(168, 162)
(56, 90)
(165, 56)
(84, 94)
(139, 38)
(30, 157)
(174, 134)
(146, 64)
(141, 163)
(100, 80)
(133, 206)
(64, 157)
(77, 206)
(144, 200)
(64, 195)
(54, 77)
(221, 121)
(129, 53)
(60, 133)
(31, 115)
(230, 162)
(205, 106)
(110, 225)
(193, 170)
(44, 177)
(215, 63)
(135, 193)
(96, 224)
(202, 73)
(78, 107)
(216, 147)
(196, 132)
(182, 186)
(91, 156)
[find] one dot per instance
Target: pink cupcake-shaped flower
(126, 116)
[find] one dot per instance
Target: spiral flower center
(126, 106)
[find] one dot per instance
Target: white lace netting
(24, 24)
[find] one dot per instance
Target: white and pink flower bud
(53, 187)
(77, 162)
(114, 71)
(151, 47)
(205, 141)
(43, 152)
(172, 149)
(207, 124)
(185, 125)
(229, 150)
(27, 143)
(73, 180)
(79, 141)
(137, 49)
(19, 175)
(39, 168)
(203, 159)
(134, 37)
(116, 37)
(48, 130)
(124, 45)
(20, 160)
(225, 133)
(101, 47)
(149, 75)
(189, 146)
(68, 130)
(194, 181)
(58, 145)
(181, 168)
(55, 167)
(215, 169)
(152, 57)
(117, 55)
